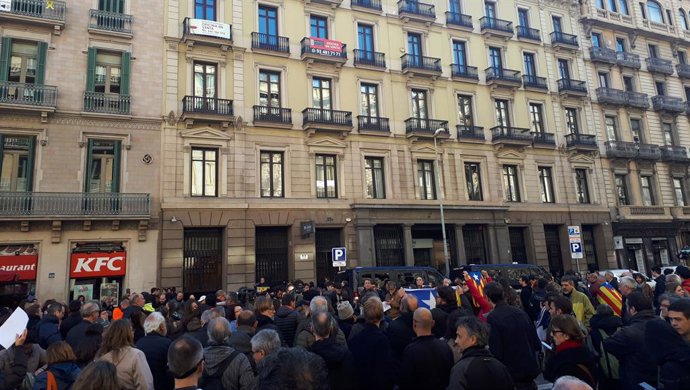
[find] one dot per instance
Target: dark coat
(627, 345)
(48, 331)
(241, 339)
(577, 361)
(65, 375)
(400, 335)
(513, 341)
(346, 326)
(15, 376)
(609, 324)
(469, 373)
(440, 315)
(452, 320)
(68, 323)
(670, 353)
(426, 364)
(155, 347)
(286, 320)
(265, 322)
(200, 334)
(131, 309)
(373, 359)
(528, 303)
(339, 361)
(659, 288)
(77, 333)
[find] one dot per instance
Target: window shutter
(5, 51)
(41, 65)
(91, 70)
(124, 78)
(117, 162)
(30, 165)
(89, 166)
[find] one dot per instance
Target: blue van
(512, 272)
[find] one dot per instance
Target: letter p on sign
(339, 257)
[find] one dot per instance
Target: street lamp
(440, 203)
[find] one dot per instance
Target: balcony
(320, 119)
(628, 60)
(496, 27)
(373, 124)
(324, 51)
(207, 109)
(425, 128)
(366, 4)
(458, 20)
(668, 104)
(370, 59)
(37, 12)
(534, 83)
(271, 116)
(581, 142)
(603, 55)
(110, 22)
(206, 32)
(660, 66)
(615, 97)
(271, 43)
(29, 97)
(528, 34)
(412, 10)
(674, 154)
(565, 41)
(333, 3)
(510, 136)
(632, 150)
(683, 71)
(420, 65)
(574, 88)
(74, 205)
(106, 103)
(502, 77)
(543, 140)
(470, 133)
(637, 100)
(464, 73)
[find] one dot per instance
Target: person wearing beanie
(346, 317)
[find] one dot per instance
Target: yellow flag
(50, 4)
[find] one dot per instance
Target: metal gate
(272, 254)
(390, 250)
(326, 239)
(475, 248)
(588, 247)
(517, 245)
(203, 260)
(553, 249)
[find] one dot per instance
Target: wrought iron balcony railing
(509, 133)
(106, 103)
(373, 123)
(683, 71)
(668, 104)
(493, 24)
(110, 21)
(74, 204)
(270, 42)
(621, 149)
(527, 32)
(272, 114)
(628, 60)
(570, 85)
(464, 72)
(327, 117)
(370, 58)
(637, 99)
(534, 82)
(611, 96)
(207, 105)
(470, 132)
(56, 10)
(541, 138)
(308, 48)
(674, 153)
(458, 19)
(660, 65)
(603, 54)
(28, 94)
(502, 74)
(561, 38)
(576, 140)
(425, 126)
(410, 61)
(371, 4)
(416, 8)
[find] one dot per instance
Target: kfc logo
(90, 265)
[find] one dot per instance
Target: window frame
(365, 94)
(536, 114)
(271, 173)
(424, 168)
(325, 165)
(204, 149)
(621, 184)
(582, 186)
(268, 74)
(648, 196)
(205, 6)
(205, 75)
(465, 110)
(370, 170)
(546, 185)
(572, 120)
(18, 154)
(682, 202)
(474, 191)
(511, 188)
(657, 7)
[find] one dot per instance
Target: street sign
(339, 257)
(574, 231)
(618, 242)
(576, 248)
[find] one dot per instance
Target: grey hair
(570, 383)
(89, 308)
(323, 327)
(627, 281)
(266, 340)
(153, 322)
(475, 328)
(318, 304)
(673, 278)
(206, 316)
(609, 273)
(218, 330)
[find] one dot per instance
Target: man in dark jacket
(287, 319)
(446, 303)
(670, 353)
(242, 337)
(627, 344)
(136, 303)
(224, 367)
(48, 329)
(526, 297)
(337, 357)
(660, 286)
(90, 312)
(426, 361)
(155, 346)
(372, 353)
(513, 339)
(72, 319)
(400, 331)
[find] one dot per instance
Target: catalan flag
(607, 295)
(476, 278)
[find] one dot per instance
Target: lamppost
(440, 203)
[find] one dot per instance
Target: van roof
(389, 268)
(503, 265)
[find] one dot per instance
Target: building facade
(294, 127)
(80, 116)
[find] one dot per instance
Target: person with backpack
(62, 370)
(604, 324)
(225, 367)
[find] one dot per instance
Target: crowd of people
(597, 332)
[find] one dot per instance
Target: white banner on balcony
(5, 5)
(208, 28)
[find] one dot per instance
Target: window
(414, 48)
(523, 17)
(582, 186)
(319, 26)
(269, 89)
(204, 80)
(683, 18)
(103, 166)
(268, 21)
(600, 4)
(624, 7)
(564, 69)
(272, 175)
(419, 107)
(647, 190)
(204, 172)
(622, 189)
(326, 177)
(603, 79)
(490, 9)
(473, 178)
(425, 172)
(465, 112)
(496, 60)
(108, 72)
(571, 120)
(369, 105)
(116, 6)
(365, 38)
(536, 112)
(668, 17)
(557, 24)
(620, 45)
(667, 129)
(530, 66)
(596, 40)
(655, 13)
(612, 6)
(373, 174)
(636, 129)
(611, 128)
(682, 57)
(679, 191)
(660, 88)
(653, 51)
(643, 11)
(23, 66)
(628, 84)
(460, 54)
(321, 93)
(16, 163)
(205, 9)
(455, 7)
(502, 114)
(546, 184)
(510, 183)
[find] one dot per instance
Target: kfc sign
(22, 265)
(97, 264)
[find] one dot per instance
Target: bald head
(423, 322)
(409, 304)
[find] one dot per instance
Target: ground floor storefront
(641, 246)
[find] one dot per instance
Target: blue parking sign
(339, 257)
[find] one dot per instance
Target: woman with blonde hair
(62, 369)
(133, 371)
(98, 376)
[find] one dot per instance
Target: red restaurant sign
(22, 265)
(326, 45)
(97, 264)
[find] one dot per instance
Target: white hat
(202, 298)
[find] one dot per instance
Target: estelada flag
(607, 295)
(476, 278)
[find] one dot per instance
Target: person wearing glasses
(571, 356)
